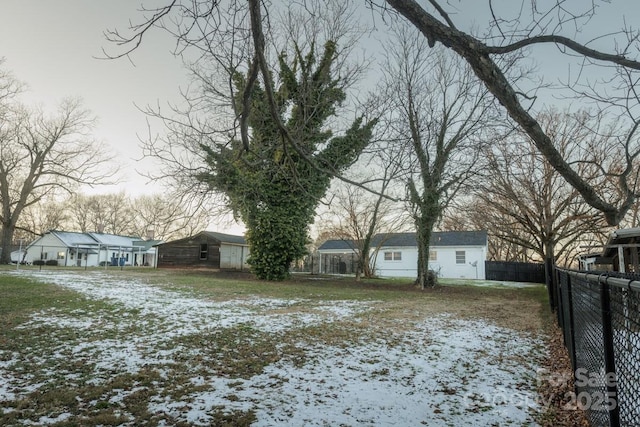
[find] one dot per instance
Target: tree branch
(565, 41)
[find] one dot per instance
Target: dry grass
(240, 351)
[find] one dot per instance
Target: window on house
(393, 256)
(433, 255)
(204, 249)
(126, 257)
(461, 257)
(45, 255)
(60, 255)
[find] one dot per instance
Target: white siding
(405, 267)
(47, 247)
(445, 264)
(447, 267)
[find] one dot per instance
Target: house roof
(221, 237)
(438, 238)
(338, 244)
(624, 236)
(146, 244)
(71, 238)
(74, 239)
(113, 240)
(226, 238)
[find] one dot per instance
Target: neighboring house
(594, 262)
(206, 249)
(91, 249)
(452, 254)
(621, 251)
(18, 256)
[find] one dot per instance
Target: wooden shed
(207, 249)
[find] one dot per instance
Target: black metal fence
(514, 271)
(600, 318)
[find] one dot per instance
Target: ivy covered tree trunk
(275, 184)
(277, 235)
(427, 211)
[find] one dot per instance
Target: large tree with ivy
(275, 183)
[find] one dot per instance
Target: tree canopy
(275, 186)
(42, 154)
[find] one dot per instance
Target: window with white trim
(461, 257)
(393, 256)
(433, 255)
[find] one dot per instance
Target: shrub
(432, 278)
(51, 262)
(38, 262)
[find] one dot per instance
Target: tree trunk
(364, 259)
(6, 238)
(549, 269)
(424, 228)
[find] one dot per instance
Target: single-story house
(452, 254)
(69, 248)
(207, 249)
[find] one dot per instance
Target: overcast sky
(53, 46)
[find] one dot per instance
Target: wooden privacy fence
(514, 271)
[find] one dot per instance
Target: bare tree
(161, 217)
(511, 28)
(47, 214)
(81, 215)
(560, 24)
(41, 155)
(438, 112)
(357, 215)
(142, 216)
(526, 202)
(471, 213)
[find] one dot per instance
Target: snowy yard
(131, 351)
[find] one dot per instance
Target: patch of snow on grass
(450, 377)
(444, 371)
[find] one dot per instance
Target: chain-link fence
(600, 318)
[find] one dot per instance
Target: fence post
(560, 302)
(572, 338)
(609, 356)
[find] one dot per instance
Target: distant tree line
(153, 216)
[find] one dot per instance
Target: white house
(91, 249)
(452, 254)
